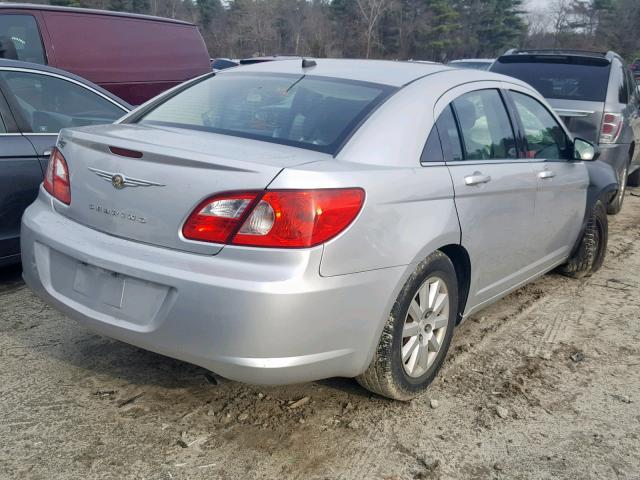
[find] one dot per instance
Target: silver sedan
(300, 219)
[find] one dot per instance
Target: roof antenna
(308, 63)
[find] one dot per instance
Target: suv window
(449, 136)
(49, 104)
(20, 39)
(620, 82)
(485, 126)
(564, 77)
(544, 136)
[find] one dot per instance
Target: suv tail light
(611, 127)
(56, 178)
(275, 218)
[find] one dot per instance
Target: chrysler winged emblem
(119, 181)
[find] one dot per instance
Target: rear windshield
(315, 113)
(565, 78)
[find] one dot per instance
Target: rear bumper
(250, 315)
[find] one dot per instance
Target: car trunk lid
(147, 199)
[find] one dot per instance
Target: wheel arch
(462, 264)
(603, 184)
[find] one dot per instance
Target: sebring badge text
(117, 213)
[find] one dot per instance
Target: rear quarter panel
(408, 213)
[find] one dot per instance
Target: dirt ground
(545, 384)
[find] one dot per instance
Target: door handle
(546, 174)
(476, 179)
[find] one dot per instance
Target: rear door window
(449, 135)
(20, 39)
(486, 130)
(432, 151)
(316, 113)
(48, 104)
(545, 138)
(568, 78)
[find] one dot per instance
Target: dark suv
(596, 96)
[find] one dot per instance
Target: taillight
(56, 178)
(218, 217)
(611, 127)
(275, 218)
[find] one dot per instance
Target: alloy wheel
(425, 326)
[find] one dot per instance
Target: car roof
(43, 68)
(92, 11)
(386, 72)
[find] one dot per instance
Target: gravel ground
(544, 384)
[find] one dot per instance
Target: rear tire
(615, 205)
(589, 256)
(634, 179)
(418, 332)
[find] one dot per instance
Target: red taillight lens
(611, 127)
(299, 218)
(218, 217)
(56, 178)
(277, 218)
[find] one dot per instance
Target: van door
(562, 181)
(494, 191)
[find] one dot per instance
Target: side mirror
(584, 150)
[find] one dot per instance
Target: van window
(49, 104)
(316, 113)
(20, 39)
(485, 126)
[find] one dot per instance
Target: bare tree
(560, 14)
(372, 11)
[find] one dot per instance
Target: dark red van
(133, 56)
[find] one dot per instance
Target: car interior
(49, 104)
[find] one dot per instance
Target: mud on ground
(544, 384)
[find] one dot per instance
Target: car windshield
(565, 78)
(315, 113)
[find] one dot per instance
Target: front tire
(418, 332)
(589, 256)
